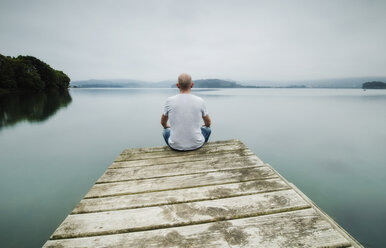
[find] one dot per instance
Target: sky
(155, 40)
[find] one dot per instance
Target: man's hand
(164, 121)
(207, 120)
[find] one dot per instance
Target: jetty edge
(221, 195)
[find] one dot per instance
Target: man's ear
(178, 85)
(191, 86)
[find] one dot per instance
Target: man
(185, 112)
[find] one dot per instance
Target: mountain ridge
(349, 82)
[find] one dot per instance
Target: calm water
(330, 143)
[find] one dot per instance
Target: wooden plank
(335, 225)
(172, 153)
(302, 228)
(157, 197)
(178, 196)
(139, 219)
(180, 159)
(178, 182)
(184, 168)
(166, 148)
(206, 147)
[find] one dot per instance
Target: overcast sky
(239, 40)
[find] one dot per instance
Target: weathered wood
(179, 182)
(318, 210)
(178, 196)
(182, 159)
(82, 225)
(301, 228)
(122, 174)
(220, 195)
(172, 153)
(166, 148)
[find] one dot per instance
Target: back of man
(185, 112)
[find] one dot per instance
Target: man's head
(184, 82)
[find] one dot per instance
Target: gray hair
(184, 80)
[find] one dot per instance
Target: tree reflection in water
(32, 107)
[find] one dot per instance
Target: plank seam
(322, 214)
(163, 163)
(327, 218)
(210, 149)
(166, 148)
(147, 228)
(186, 155)
(181, 202)
(187, 187)
(175, 175)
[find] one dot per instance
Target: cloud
(240, 40)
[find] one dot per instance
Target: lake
(331, 143)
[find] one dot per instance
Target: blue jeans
(204, 130)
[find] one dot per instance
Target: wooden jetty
(221, 195)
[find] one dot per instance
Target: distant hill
(128, 83)
(119, 83)
(350, 82)
(218, 83)
(94, 83)
(374, 85)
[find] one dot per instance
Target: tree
(7, 75)
(28, 72)
(374, 85)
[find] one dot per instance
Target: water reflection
(32, 107)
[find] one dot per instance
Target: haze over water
(328, 142)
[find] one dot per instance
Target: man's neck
(185, 91)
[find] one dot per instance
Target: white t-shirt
(185, 112)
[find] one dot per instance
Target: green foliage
(374, 85)
(7, 74)
(30, 73)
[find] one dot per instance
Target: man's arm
(207, 120)
(164, 121)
